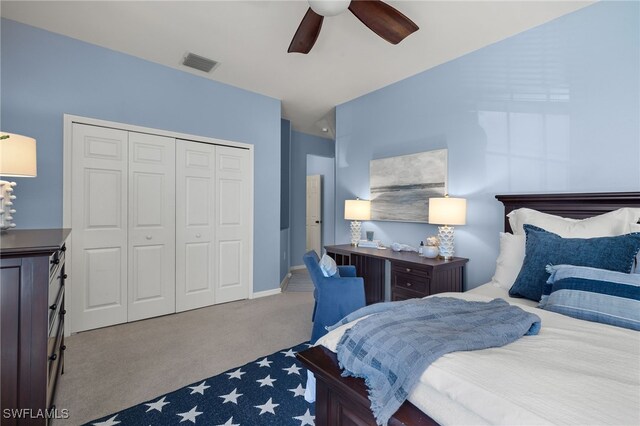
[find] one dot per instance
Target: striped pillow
(593, 294)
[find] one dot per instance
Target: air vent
(199, 62)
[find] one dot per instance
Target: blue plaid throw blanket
(393, 346)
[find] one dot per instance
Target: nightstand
(429, 276)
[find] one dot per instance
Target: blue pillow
(594, 295)
(545, 248)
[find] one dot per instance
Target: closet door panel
(232, 224)
(195, 210)
(98, 277)
(151, 290)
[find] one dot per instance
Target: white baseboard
(266, 293)
(285, 280)
(295, 268)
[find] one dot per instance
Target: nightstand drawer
(402, 294)
(411, 282)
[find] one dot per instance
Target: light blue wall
(302, 144)
(325, 167)
(554, 109)
(45, 75)
(285, 184)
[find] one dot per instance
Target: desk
(411, 275)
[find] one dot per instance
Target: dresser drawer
(55, 368)
(408, 268)
(56, 292)
(56, 336)
(412, 282)
(56, 260)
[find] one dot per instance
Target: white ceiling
(250, 40)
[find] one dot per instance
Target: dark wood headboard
(576, 206)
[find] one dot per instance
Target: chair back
(312, 262)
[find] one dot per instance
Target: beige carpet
(299, 281)
(113, 368)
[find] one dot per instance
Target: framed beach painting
(401, 186)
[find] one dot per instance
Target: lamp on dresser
(355, 211)
(447, 211)
(17, 159)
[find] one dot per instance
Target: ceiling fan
(378, 16)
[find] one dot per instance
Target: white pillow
(328, 266)
(509, 260)
(605, 225)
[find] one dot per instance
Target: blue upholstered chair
(335, 297)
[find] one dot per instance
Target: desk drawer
(416, 283)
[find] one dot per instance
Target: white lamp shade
(18, 156)
(329, 7)
(447, 211)
(357, 209)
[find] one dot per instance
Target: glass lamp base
(445, 234)
(355, 232)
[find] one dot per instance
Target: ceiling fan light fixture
(329, 7)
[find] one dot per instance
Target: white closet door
(232, 232)
(99, 222)
(195, 208)
(151, 226)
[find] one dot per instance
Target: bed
(454, 389)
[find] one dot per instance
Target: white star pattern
(199, 389)
(109, 422)
(267, 381)
(290, 353)
(157, 405)
(299, 391)
(236, 374)
(294, 369)
(231, 396)
(264, 363)
(306, 419)
(267, 407)
(230, 423)
(190, 415)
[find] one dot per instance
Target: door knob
(148, 237)
(198, 235)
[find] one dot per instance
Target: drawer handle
(408, 284)
(63, 248)
(64, 277)
(63, 347)
(148, 237)
(55, 261)
(63, 312)
(53, 307)
(408, 269)
(53, 357)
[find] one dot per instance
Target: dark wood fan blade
(383, 19)
(307, 33)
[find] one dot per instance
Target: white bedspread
(573, 372)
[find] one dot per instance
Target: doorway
(320, 203)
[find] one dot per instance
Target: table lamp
(355, 211)
(17, 158)
(446, 211)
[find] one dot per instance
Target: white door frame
(69, 120)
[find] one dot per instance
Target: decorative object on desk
(431, 250)
(400, 185)
(17, 158)
(355, 211)
(421, 248)
(369, 235)
(402, 247)
(445, 212)
(369, 244)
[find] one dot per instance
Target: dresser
(411, 275)
(32, 311)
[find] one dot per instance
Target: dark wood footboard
(343, 400)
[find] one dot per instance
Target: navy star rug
(267, 391)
